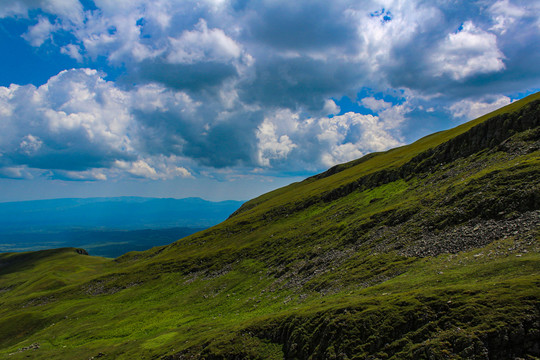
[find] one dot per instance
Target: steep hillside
(428, 251)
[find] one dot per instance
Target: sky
(228, 99)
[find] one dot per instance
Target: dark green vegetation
(428, 251)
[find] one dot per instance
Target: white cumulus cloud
(467, 52)
(271, 146)
(82, 127)
(322, 141)
(471, 109)
(203, 44)
(351, 135)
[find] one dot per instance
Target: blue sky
(227, 99)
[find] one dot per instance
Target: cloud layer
(243, 85)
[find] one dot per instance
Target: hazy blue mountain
(106, 227)
(124, 213)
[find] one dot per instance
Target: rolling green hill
(427, 251)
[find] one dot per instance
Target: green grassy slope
(427, 251)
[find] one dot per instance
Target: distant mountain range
(106, 227)
(121, 213)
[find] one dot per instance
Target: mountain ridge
(531, 100)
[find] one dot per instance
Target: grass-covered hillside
(428, 251)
